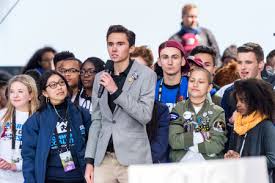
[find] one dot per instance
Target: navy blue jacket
(159, 145)
(36, 139)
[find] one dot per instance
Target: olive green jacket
(210, 121)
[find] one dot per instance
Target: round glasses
(53, 84)
(88, 72)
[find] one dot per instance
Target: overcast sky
(80, 25)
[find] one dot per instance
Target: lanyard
(160, 91)
(67, 133)
(76, 100)
(241, 151)
(13, 129)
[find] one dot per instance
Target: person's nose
(238, 104)
(242, 65)
(114, 48)
(67, 73)
(15, 94)
(170, 61)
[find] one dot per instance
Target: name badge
(67, 161)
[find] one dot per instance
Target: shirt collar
(127, 70)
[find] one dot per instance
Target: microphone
(109, 67)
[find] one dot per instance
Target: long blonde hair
(32, 88)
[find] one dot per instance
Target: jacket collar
(132, 77)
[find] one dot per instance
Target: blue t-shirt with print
(55, 170)
(170, 95)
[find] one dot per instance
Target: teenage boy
(172, 88)
(117, 137)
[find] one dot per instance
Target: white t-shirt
(6, 151)
(87, 104)
(197, 109)
(221, 91)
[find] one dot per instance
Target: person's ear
(132, 49)
(45, 94)
(31, 97)
(159, 62)
(183, 61)
(210, 87)
(261, 65)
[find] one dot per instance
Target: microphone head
(109, 66)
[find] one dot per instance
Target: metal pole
(10, 10)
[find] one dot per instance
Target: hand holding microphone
(106, 80)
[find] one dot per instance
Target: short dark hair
(158, 70)
(252, 47)
(270, 55)
(97, 62)
(62, 56)
(258, 95)
(131, 36)
(205, 49)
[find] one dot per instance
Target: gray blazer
(127, 124)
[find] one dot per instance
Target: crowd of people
(68, 121)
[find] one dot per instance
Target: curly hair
(145, 53)
(258, 95)
(227, 74)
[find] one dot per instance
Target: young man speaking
(117, 137)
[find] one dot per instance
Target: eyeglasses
(89, 72)
(70, 71)
(53, 84)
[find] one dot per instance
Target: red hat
(178, 45)
(195, 60)
(189, 42)
(173, 44)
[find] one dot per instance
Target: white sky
(80, 25)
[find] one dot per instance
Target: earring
(47, 100)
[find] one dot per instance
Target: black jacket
(258, 142)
